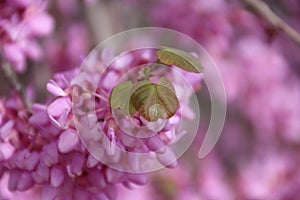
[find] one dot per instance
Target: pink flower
(21, 24)
(67, 141)
(42, 148)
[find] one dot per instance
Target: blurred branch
(99, 18)
(13, 81)
(263, 9)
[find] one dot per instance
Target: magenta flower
(42, 150)
(21, 24)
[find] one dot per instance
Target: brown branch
(14, 83)
(263, 9)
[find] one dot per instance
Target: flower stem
(100, 96)
(263, 9)
(14, 82)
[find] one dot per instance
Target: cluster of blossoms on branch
(22, 23)
(44, 153)
(41, 149)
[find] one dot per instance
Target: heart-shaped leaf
(166, 83)
(120, 96)
(155, 101)
(179, 58)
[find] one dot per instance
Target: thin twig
(263, 9)
(14, 83)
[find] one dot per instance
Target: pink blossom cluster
(35, 153)
(22, 23)
(42, 151)
(69, 146)
(256, 156)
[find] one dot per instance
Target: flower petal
(49, 193)
(6, 151)
(58, 106)
(57, 176)
(77, 164)
(25, 181)
(54, 89)
(67, 141)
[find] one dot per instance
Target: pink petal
(13, 53)
(62, 121)
(39, 118)
(48, 131)
(169, 135)
(155, 143)
(6, 129)
(110, 79)
(49, 193)
(123, 61)
(113, 176)
(96, 177)
(56, 108)
(32, 50)
(92, 162)
(49, 155)
(77, 164)
(20, 157)
(134, 162)
(41, 175)
(31, 161)
(40, 23)
(54, 89)
(67, 141)
(57, 176)
(139, 179)
(6, 151)
(14, 177)
(110, 144)
(168, 159)
(38, 107)
(25, 182)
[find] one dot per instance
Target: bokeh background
(257, 155)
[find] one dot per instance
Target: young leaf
(120, 96)
(165, 82)
(155, 101)
(145, 74)
(178, 58)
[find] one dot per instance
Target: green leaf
(166, 83)
(120, 97)
(179, 58)
(146, 73)
(155, 101)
